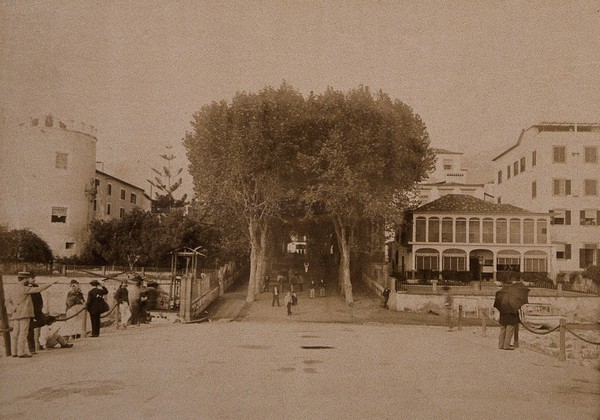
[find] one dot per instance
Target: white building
(450, 177)
(48, 180)
(115, 198)
(554, 168)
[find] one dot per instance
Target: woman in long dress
(75, 304)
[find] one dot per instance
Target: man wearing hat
(122, 299)
(20, 308)
(96, 305)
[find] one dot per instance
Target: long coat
(95, 299)
(19, 302)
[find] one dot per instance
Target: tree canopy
(353, 156)
(23, 245)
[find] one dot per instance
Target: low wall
(201, 303)
(585, 309)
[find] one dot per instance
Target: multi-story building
(554, 168)
(49, 183)
(115, 198)
(449, 177)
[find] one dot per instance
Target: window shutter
(567, 217)
(567, 251)
(552, 216)
(598, 223)
(567, 187)
(581, 257)
(582, 217)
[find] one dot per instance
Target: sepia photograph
(299, 209)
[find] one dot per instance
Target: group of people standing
(25, 307)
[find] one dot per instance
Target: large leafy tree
(242, 156)
(368, 153)
(23, 245)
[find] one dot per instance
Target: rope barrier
(71, 316)
(582, 338)
(539, 332)
(109, 311)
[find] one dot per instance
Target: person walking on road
(386, 296)
(96, 305)
(312, 289)
(287, 301)
(322, 287)
(275, 295)
(122, 299)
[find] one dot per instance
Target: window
(589, 217)
(474, 236)
(427, 262)
(122, 194)
(455, 263)
(591, 154)
(562, 187)
(69, 245)
(59, 215)
(95, 205)
(447, 229)
(560, 217)
(590, 187)
(563, 251)
(533, 189)
(528, 231)
(515, 231)
(434, 229)
(586, 255)
(508, 172)
(461, 230)
(108, 209)
(516, 168)
(61, 160)
(535, 264)
(109, 189)
(499, 177)
(488, 231)
(533, 158)
(121, 212)
(448, 164)
(542, 231)
(96, 182)
(133, 198)
(559, 154)
(501, 231)
(420, 229)
(522, 164)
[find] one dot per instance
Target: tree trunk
(343, 236)
(258, 241)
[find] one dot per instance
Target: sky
(476, 72)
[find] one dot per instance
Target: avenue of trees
(352, 158)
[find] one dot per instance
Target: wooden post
(460, 316)
(4, 320)
(516, 336)
(483, 324)
(562, 355)
(84, 324)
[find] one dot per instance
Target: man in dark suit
(96, 305)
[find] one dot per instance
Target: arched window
(434, 229)
(528, 231)
(515, 231)
(461, 230)
(488, 231)
(447, 229)
(474, 230)
(542, 231)
(420, 229)
(501, 231)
